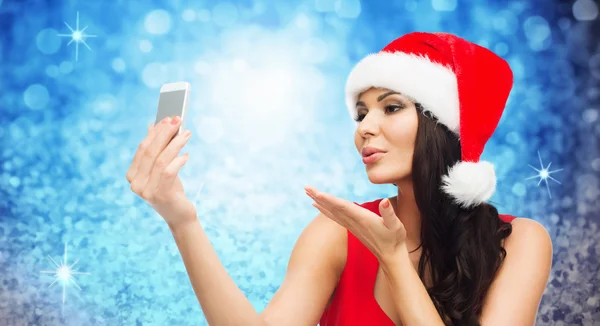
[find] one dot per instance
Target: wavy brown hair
(461, 247)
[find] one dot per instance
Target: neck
(407, 211)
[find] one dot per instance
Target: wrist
(400, 255)
(180, 226)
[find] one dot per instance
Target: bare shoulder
(515, 294)
(315, 266)
(528, 233)
(325, 236)
(529, 243)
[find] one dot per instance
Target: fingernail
(386, 203)
(175, 120)
(165, 120)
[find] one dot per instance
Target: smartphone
(173, 100)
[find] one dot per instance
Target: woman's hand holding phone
(153, 174)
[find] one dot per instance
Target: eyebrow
(379, 98)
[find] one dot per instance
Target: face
(387, 121)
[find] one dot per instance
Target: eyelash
(399, 107)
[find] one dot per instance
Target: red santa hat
(465, 86)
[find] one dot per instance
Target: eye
(359, 117)
(395, 107)
(392, 107)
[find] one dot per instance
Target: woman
(435, 254)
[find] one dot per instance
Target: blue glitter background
(268, 117)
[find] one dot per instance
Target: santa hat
(465, 86)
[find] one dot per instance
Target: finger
(332, 203)
(318, 202)
(135, 164)
(354, 215)
(316, 195)
(342, 219)
(164, 132)
(170, 173)
(311, 193)
(390, 220)
(331, 216)
(327, 200)
(166, 157)
(311, 196)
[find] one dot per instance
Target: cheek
(403, 135)
(404, 139)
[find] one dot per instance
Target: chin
(379, 175)
(379, 178)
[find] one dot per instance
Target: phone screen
(170, 104)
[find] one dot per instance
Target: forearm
(408, 292)
(222, 302)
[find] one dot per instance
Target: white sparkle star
(77, 36)
(64, 273)
(544, 174)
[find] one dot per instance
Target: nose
(369, 126)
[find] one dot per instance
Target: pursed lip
(368, 150)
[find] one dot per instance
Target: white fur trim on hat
(431, 84)
(470, 183)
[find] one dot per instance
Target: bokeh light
(158, 22)
(36, 96)
(47, 42)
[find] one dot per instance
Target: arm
(412, 302)
(222, 302)
(515, 294)
(312, 274)
(513, 297)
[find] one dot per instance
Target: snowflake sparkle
(544, 174)
(77, 36)
(64, 273)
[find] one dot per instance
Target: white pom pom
(470, 183)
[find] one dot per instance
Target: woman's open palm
(153, 174)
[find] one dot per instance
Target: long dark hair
(461, 247)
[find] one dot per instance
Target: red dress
(354, 302)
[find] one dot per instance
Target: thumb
(390, 220)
